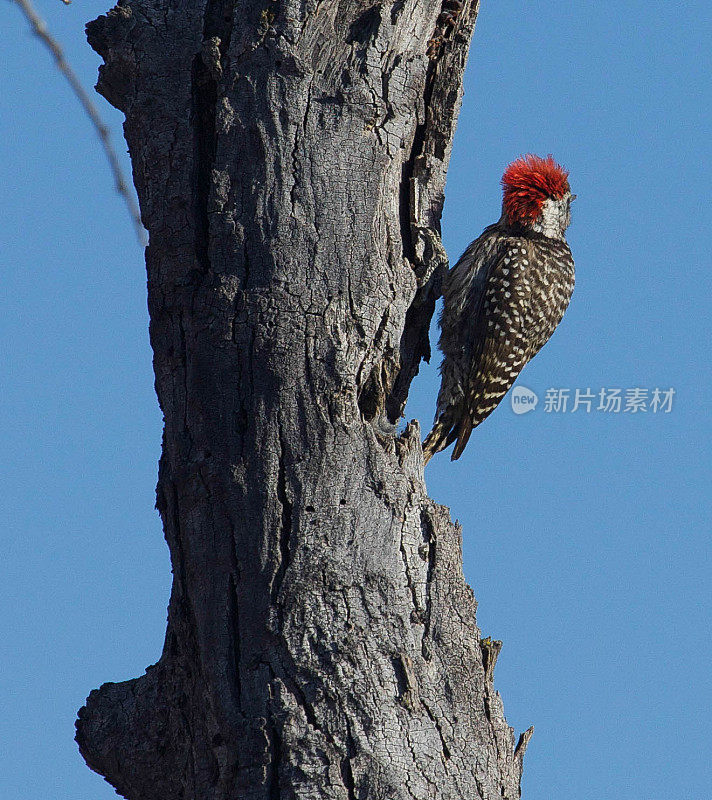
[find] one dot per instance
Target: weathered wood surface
(290, 160)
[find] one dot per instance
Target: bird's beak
(573, 197)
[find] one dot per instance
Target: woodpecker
(503, 299)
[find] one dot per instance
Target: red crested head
(528, 182)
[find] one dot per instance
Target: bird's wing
(463, 294)
(500, 338)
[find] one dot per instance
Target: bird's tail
(434, 442)
(441, 435)
(452, 424)
(462, 434)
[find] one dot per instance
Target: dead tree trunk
(290, 159)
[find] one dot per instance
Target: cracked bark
(290, 159)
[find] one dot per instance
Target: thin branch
(40, 30)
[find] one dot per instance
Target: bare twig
(40, 30)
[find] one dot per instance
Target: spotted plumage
(503, 299)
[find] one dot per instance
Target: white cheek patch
(553, 220)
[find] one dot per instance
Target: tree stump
(290, 159)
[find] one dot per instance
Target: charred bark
(290, 158)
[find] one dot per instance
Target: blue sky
(586, 536)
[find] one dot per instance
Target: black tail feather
(444, 433)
